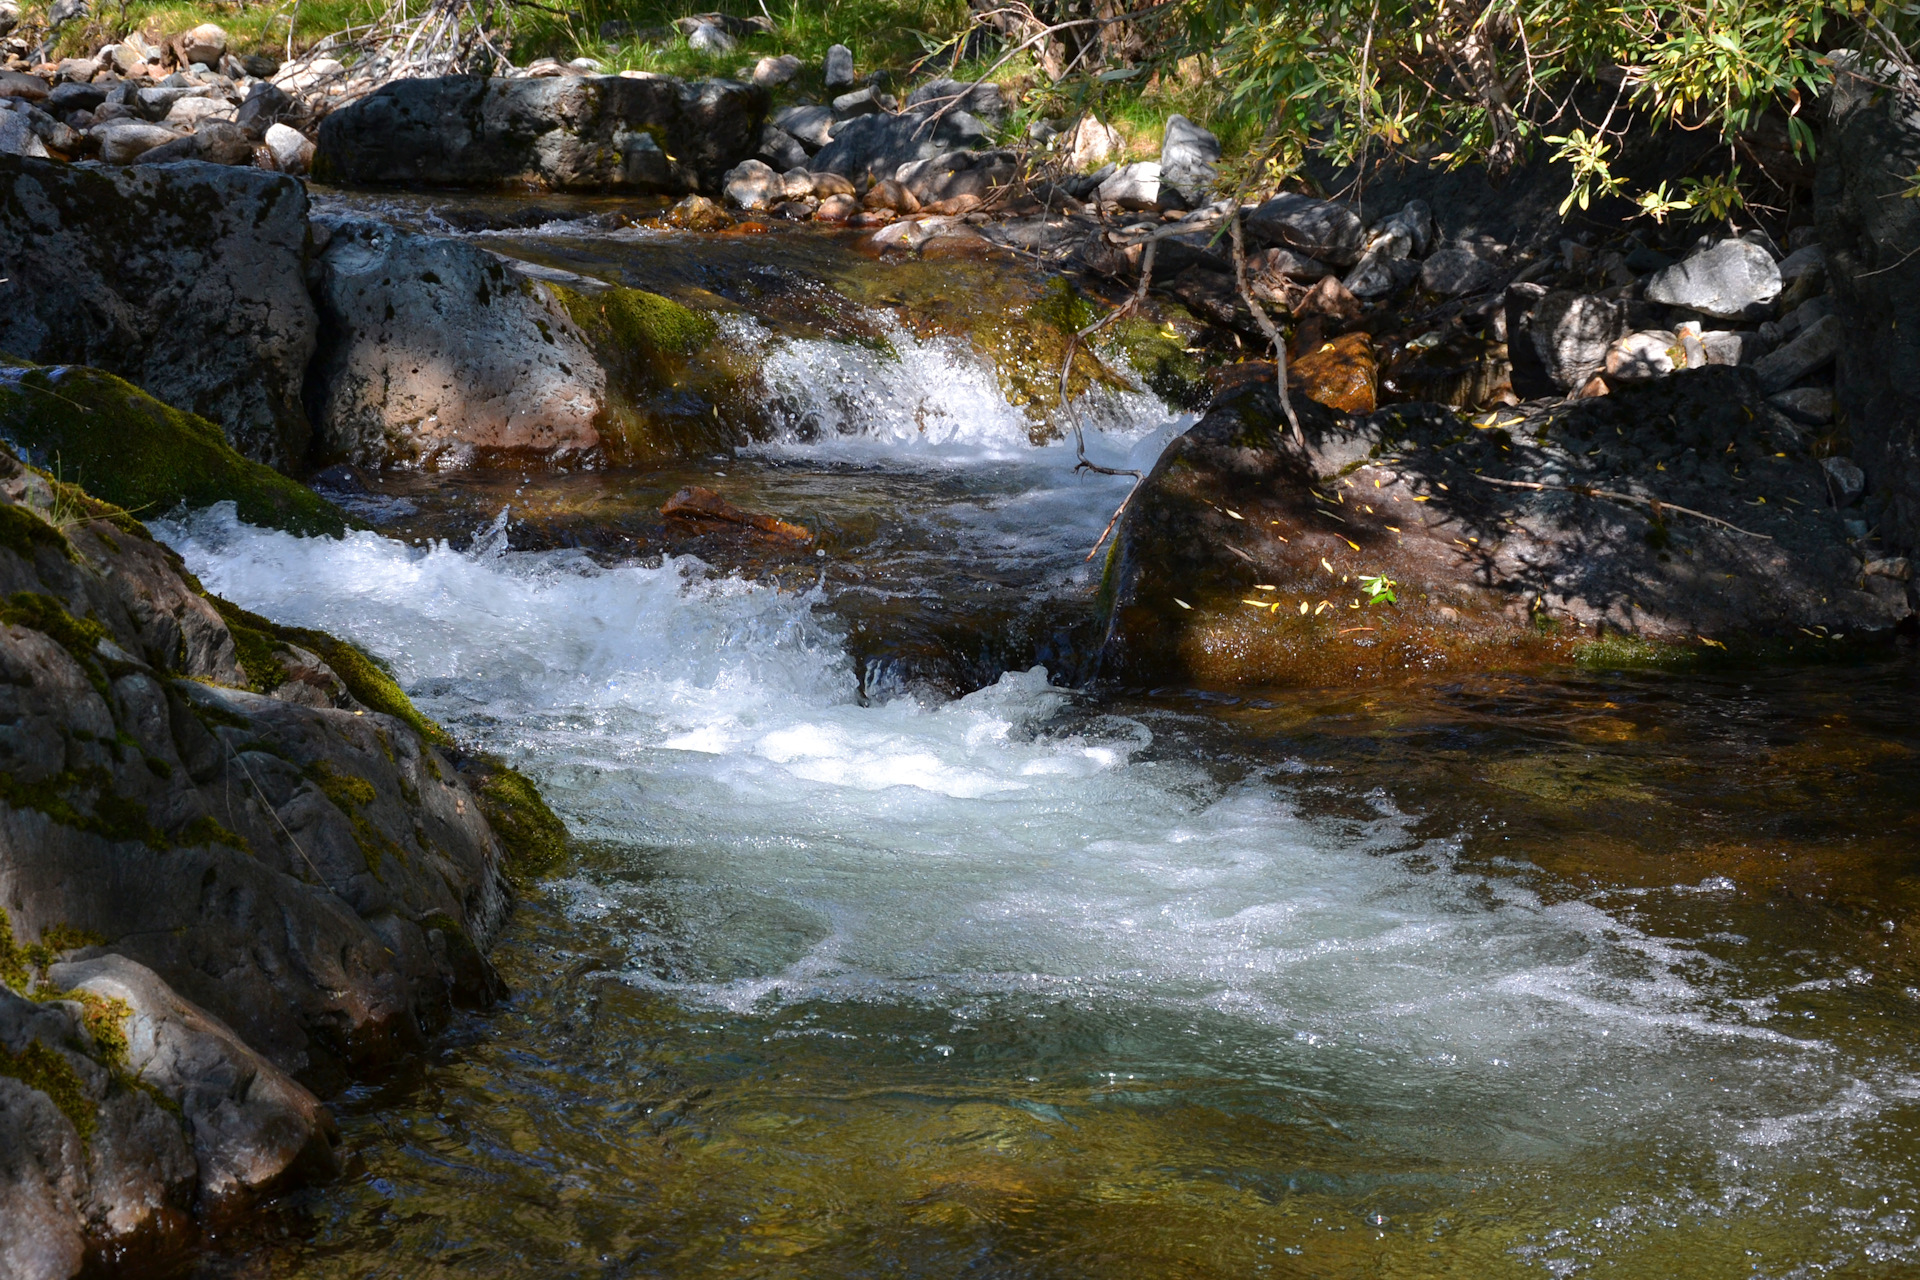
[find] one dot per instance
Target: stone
(696, 502)
(18, 84)
(206, 43)
(831, 184)
(1845, 480)
(1093, 143)
(1809, 406)
(891, 195)
(310, 74)
(752, 184)
(876, 146)
(779, 149)
(1898, 568)
(9, 15)
(1332, 233)
(254, 1128)
(697, 213)
(772, 72)
(571, 133)
(837, 208)
(812, 125)
(215, 142)
(1285, 264)
(1652, 353)
(1133, 186)
(292, 150)
(466, 355)
(17, 137)
(1733, 279)
(1385, 266)
(189, 113)
(839, 66)
(974, 177)
(74, 95)
(265, 104)
(1188, 156)
(1813, 349)
(170, 259)
(1460, 268)
(1340, 374)
(984, 101)
(1329, 300)
(1571, 334)
(1730, 346)
(861, 102)
(707, 38)
(1807, 260)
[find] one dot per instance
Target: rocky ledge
(1670, 521)
(237, 869)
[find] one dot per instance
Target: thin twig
(1266, 327)
(1655, 504)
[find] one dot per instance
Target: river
(895, 947)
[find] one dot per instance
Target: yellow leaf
(1182, 603)
(1303, 608)
(1350, 542)
(1325, 565)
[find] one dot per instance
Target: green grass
(261, 28)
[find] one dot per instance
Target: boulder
(1188, 156)
(74, 95)
(215, 142)
(1652, 353)
(567, 133)
(189, 280)
(839, 66)
(984, 101)
(1239, 561)
(265, 104)
(124, 141)
(1733, 279)
(1814, 349)
(811, 125)
(254, 1128)
(1870, 144)
(1571, 334)
(861, 102)
(1134, 186)
(433, 350)
(189, 113)
(779, 149)
(1332, 233)
(292, 150)
(205, 44)
(705, 37)
(772, 72)
(1845, 480)
(1093, 143)
(18, 84)
(1810, 406)
(959, 177)
(274, 831)
(1460, 268)
(17, 137)
(876, 146)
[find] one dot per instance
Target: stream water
(893, 949)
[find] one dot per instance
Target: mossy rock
(90, 428)
(535, 839)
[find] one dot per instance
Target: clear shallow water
(1590, 976)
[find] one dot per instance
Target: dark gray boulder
(1872, 142)
(186, 279)
(982, 100)
(877, 145)
(567, 133)
(1332, 233)
(811, 125)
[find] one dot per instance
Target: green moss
(1159, 355)
(204, 830)
(535, 839)
(1061, 306)
(55, 942)
(13, 961)
(39, 1067)
(345, 791)
(78, 636)
(256, 642)
(23, 533)
(133, 451)
(105, 1018)
(634, 319)
(85, 801)
(365, 680)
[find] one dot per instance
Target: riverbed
(898, 944)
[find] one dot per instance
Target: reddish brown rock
(696, 502)
(1340, 374)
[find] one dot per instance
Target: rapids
(1604, 975)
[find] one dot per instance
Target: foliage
(1379, 588)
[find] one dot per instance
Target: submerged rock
(566, 133)
(187, 280)
(1243, 562)
(696, 502)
